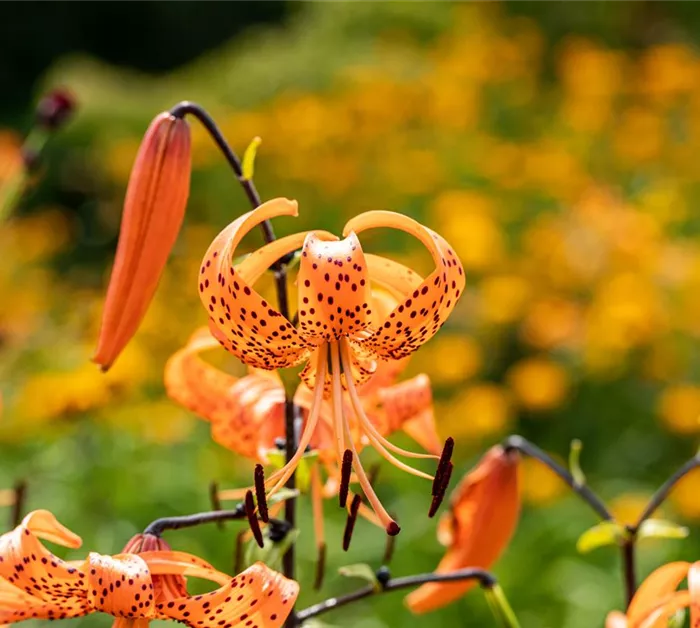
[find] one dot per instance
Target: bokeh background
(554, 144)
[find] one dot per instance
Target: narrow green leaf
(575, 462)
(362, 571)
(605, 533)
(271, 552)
(661, 529)
(500, 607)
(283, 495)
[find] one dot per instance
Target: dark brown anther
(350, 523)
(252, 518)
(320, 567)
(393, 529)
(444, 484)
(238, 552)
(345, 471)
(215, 502)
(444, 461)
(260, 496)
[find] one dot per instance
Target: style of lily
(657, 599)
(484, 510)
(247, 413)
(340, 337)
(135, 587)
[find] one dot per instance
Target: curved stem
(524, 446)
(486, 580)
(629, 568)
(663, 491)
(159, 526)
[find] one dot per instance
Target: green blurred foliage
(555, 149)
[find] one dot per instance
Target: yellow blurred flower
(449, 359)
(539, 485)
(475, 234)
(504, 298)
(679, 408)
(478, 411)
(627, 507)
(639, 136)
(552, 322)
(538, 384)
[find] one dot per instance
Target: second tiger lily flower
(484, 512)
(135, 586)
(340, 336)
(657, 599)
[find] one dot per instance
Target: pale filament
(280, 477)
(317, 505)
(380, 443)
(362, 478)
(339, 427)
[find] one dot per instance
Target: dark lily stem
(662, 493)
(518, 443)
(486, 580)
(280, 272)
(629, 568)
(157, 527)
(20, 490)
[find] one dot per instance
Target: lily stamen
(253, 519)
(260, 493)
(345, 471)
(350, 522)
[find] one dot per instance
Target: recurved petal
(616, 619)
(484, 513)
(398, 279)
(334, 291)
(409, 406)
(246, 324)
(660, 584)
(694, 592)
(18, 605)
(425, 310)
(28, 565)
(154, 209)
(258, 595)
(120, 585)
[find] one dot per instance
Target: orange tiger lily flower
(483, 514)
(657, 599)
(154, 209)
(35, 584)
(339, 337)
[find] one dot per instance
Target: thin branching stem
(486, 580)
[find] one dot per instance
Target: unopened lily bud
(165, 587)
(153, 213)
(54, 109)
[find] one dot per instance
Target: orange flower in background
(154, 209)
(340, 336)
(484, 511)
(133, 587)
(657, 599)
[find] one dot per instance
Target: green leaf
(283, 495)
(500, 607)
(271, 552)
(605, 533)
(678, 620)
(362, 571)
(575, 462)
(661, 529)
(303, 472)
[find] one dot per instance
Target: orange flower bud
(153, 212)
(483, 515)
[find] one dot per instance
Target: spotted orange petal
(483, 516)
(333, 284)
(26, 564)
(246, 414)
(257, 595)
(246, 324)
(409, 406)
(660, 584)
(120, 585)
(425, 310)
(154, 209)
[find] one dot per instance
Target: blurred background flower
(555, 147)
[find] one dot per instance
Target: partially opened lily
(247, 413)
(35, 584)
(657, 599)
(340, 337)
(483, 514)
